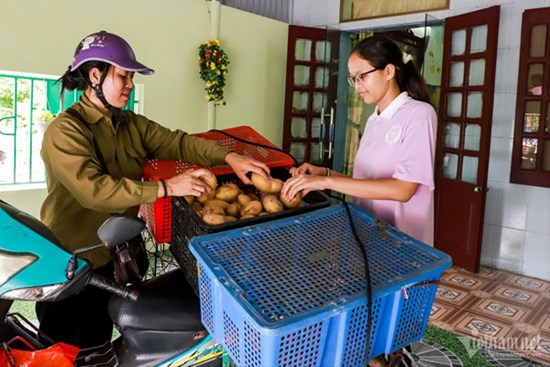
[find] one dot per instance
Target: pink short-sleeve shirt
(400, 143)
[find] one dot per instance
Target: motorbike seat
(166, 302)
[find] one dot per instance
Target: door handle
(480, 189)
(321, 133)
(331, 133)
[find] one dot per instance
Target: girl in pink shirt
(393, 169)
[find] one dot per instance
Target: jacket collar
(90, 112)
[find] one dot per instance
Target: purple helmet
(109, 48)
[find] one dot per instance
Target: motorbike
(158, 320)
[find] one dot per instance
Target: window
(531, 149)
(27, 104)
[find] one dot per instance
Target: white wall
(41, 36)
(516, 234)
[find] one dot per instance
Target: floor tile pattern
(501, 310)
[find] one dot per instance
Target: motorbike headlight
(32, 294)
(13, 263)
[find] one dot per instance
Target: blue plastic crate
(293, 291)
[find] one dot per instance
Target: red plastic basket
(158, 216)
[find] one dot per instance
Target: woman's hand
(241, 165)
(308, 169)
(304, 184)
(305, 178)
(187, 183)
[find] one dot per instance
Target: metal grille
(274, 9)
(27, 104)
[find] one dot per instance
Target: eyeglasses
(359, 78)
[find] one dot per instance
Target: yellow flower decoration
(213, 63)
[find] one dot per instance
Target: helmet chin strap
(115, 112)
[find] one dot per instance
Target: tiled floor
(501, 310)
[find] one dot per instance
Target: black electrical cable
(358, 241)
(364, 252)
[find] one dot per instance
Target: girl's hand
(304, 184)
(242, 165)
(307, 169)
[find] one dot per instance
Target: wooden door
(531, 149)
(311, 84)
(464, 133)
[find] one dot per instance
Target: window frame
(54, 105)
(536, 176)
(27, 108)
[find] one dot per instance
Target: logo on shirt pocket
(393, 134)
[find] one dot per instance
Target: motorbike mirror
(119, 229)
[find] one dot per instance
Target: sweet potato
(227, 192)
(213, 219)
(233, 209)
(270, 185)
(272, 204)
(254, 207)
(206, 196)
(209, 179)
(292, 203)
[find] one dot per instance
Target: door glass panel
(475, 100)
(316, 127)
(303, 50)
(469, 169)
(297, 150)
(314, 153)
(322, 51)
(546, 156)
(452, 135)
(529, 153)
(457, 74)
(477, 72)
(531, 118)
(458, 43)
(454, 104)
(538, 41)
(319, 99)
(472, 137)
(534, 79)
(301, 75)
(479, 39)
(298, 127)
(321, 77)
(299, 101)
(450, 164)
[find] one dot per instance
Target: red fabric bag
(58, 355)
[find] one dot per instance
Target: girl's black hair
(380, 51)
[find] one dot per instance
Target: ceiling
(275, 9)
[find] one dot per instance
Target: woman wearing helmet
(93, 153)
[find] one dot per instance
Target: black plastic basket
(186, 224)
